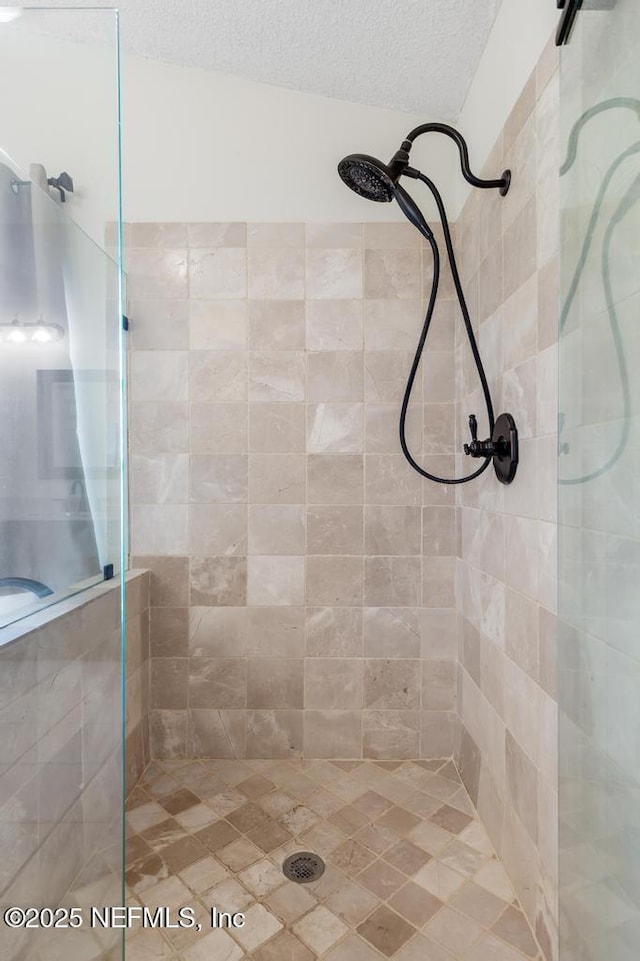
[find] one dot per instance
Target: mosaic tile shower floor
(410, 872)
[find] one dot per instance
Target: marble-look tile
(217, 376)
(217, 235)
(218, 478)
(391, 733)
(159, 324)
(275, 580)
(160, 426)
(392, 581)
(217, 632)
(335, 478)
(334, 325)
(334, 428)
(391, 632)
(216, 733)
(275, 632)
(276, 325)
(276, 683)
(277, 734)
(158, 374)
(219, 682)
(277, 478)
(276, 376)
(333, 632)
(218, 581)
(156, 273)
(392, 273)
(278, 529)
(334, 530)
(333, 273)
(219, 272)
(218, 428)
(217, 325)
(333, 734)
(333, 683)
(392, 684)
(334, 376)
(275, 235)
(218, 529)
(277, 428)
(334, 581)
(276, 273)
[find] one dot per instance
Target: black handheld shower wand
(375, 180)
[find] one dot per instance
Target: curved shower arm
(458, 139)
(572, 146)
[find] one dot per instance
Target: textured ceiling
(412, 55)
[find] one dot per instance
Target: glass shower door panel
(599, 487)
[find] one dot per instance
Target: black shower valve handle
(478, 448)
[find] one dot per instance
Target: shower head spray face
(368, 177)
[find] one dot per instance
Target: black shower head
(368, 177)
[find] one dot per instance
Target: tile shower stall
(342, 657)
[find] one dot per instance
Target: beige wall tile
(335, 428)
(275, 235)
(277, 428)
(333, 235)
(274, 734)
(276, 324)
(335, 478)
(277, 529)
(276, 376)
(391, 632)
(333, 272)
(333, 734)
(276, 478)
(392, 530)
(391, 734)
(218, 428)
(334, 581)
(392, 684)
(217, 376)
(275, 581)
(334, 530)
(217, 682)
(159, 324)
(157, 274)
(392, 581)
(334, 376)
(275, 682)
(391, 273)
(218, 529)
(276, 632)
(218, 581)
(213, 733)
(333, 683)
(159, 426)
(159, 374)
(218, 325)
(219, 272)
(217, 235)
(334, 325)
(217, 631)
(333, 632)
(218, 478)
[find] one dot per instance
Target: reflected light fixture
(18, 332)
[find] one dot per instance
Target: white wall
(199, 145)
